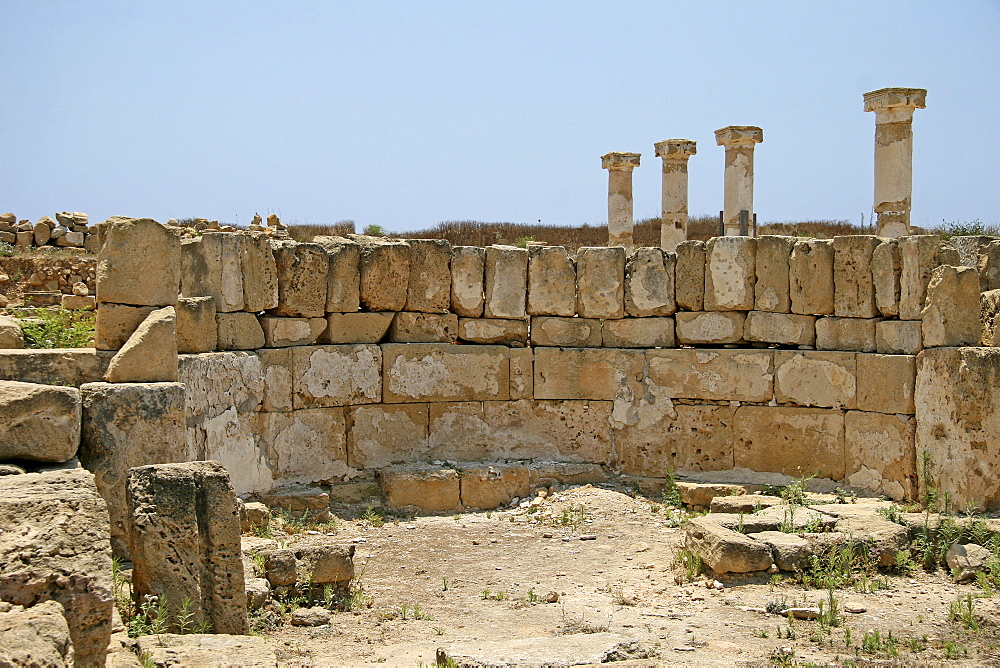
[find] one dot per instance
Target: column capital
(676, 149)
(889, 99)
(739, 135)
(617, 161)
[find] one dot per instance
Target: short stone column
(620, 166)
(674, 212)
(893, 109)
(738, 195)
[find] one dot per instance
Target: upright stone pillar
(674, 220)
(739, 141)
(893, 109)
(619, 166)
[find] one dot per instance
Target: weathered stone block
(880, 453)
(489, 486)
(139, 264)
(810, 275)
(856, 334)
(721, 375)
(302, 278)
(951, 314)
(457, 431)
(280, 332)
(575, 332)
(11, 335)
(35, 636)
(786, 329)
(116, 322)
(41, 422)
(789, 551)
(989, 309)
(193, 649)
(325, 564)
(771, 288)
(795, 441)
(506, 284)
(304, 446)
(500, 331)
(638, 333)
(274, 372)
(58, 366)
(303, 501)
(568, 431)
(410, 327)
(899, 337)
(600, 282)
(356, 327)
(588, 373)
(671, 438)
(853, 280)
(709, 327)
(551, 281)
(150, 354)
(432, 489)
(724, 550)
(886, 268)
(689, 281)
(386, 434)
(886, 382)
(730, 272)
(239, 331)
(467, 276)
(649, 283)
(78, 302)
(212, 267)
(259, 273)
(441, 372)
(336, 375)
(197, 331)
(429, 288)
(343, 279)
(827, 379)
(919, 255)
(522, 374)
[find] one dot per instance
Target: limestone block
(467, 276)
(786, 329)
(671, 438)
(430, 488)
(709, 327)
(35, 636)
(988, 266)
(649, 283)
(730, 272)
(239, 331)
(193, 649)
(886, 268)
(429, 288)
(79, 302)
(150, 354)
(794, 441)
(325, 564)
(575, 332)
(589, 373)
(277, 367)
(898, 337)
(551, 282)
(11, 335)
(919, 255)
(59, 366)
(771, 288)
(303, 501)
(489, 486)
(810, 277)
(280, 332)
(441, 372)
(689, 281)
(115, 324)
(638, 333)
(302, 278)
(567, 431)
(197, 331)
(385, 275)
(567, 473)
(827, 379)
(185, 543)
(880, 453)
(54, 547)
(853, 279)
(600, 282)
(722, 375)
(356, 327)
(886, 382)
(506, 284)
(989, 309)
(957, 400)
(304, 446)
(500, 331)
(856, 334)
(790, 551)
(522, 373)
(724, 550)
(233, 249)
(139, 264)
(254, 515)
(259, 273)
(126, 425)
(410, 327)
(211, 266)
(279, 566)
(457, 431)
(386, 434)
(336, 375)
(343, 279)
(951, 314)
(41, 422)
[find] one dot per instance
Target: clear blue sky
(404, 114)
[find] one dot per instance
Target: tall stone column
(674, 212)
(739, 141)
(893, 109)
(620, 166)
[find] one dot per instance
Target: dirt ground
(476, 585)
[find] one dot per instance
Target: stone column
(893, 109)
(619, 166)
(739, 141)
(674, 220)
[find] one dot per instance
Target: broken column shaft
(674, 211)
(620, 166)
(739, 141)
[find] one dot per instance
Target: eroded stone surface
(439, 372)
(40, 422)
(881, 456)
(799, 442)
(649, 283)
(727, 375)
(467, 277)
(551, 281)
(730, 272)
(600, 279)
(506, 284)
(575, 332)
(638, 333)
(709, 327)
(689, 284)
(771, 288)
(139, 264)
(336, 375)
(827, 379)
(810, 271)
(429, 289)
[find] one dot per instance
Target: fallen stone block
(724, 550)
(489, 486)
(34, 636)
(11, 335)
(789, 551)
(150, 354)
(325, 564)
(254, 516)
(700, 495)
(966, 560)
(314, 616)
(41, 422)
(301, 501)
(79, 302)
(167, 649)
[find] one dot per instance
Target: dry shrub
(307, 232)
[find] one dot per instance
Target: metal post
(744, 222)
(722, 224)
